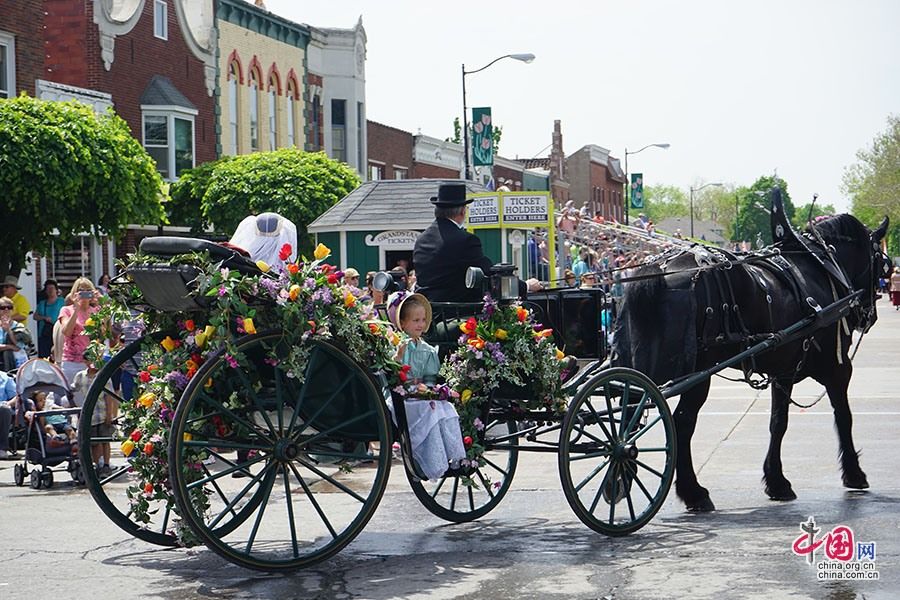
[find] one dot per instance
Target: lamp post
(525, 58)
(693, 189)
(664, 146)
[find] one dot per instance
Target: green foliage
(802, 216)
(457, 132)
(664, 201)
(874, 182)
(298, 185)
(65, 169)
(754, 203)
(496, 134)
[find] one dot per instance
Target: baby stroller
(43, 452)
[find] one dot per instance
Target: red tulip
(285, 252)
(144, 376)
(148, 448)
(136, 435)
(467, 441)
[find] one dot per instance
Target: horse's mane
(841, 228)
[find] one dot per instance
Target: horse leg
(836, 386)
(777, 485)
(694, 496)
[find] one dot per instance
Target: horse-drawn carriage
(273, 446)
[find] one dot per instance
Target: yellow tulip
(248, 326)
(294, 291)
(465, 396)
(127, 447)
(263, 266)
(168, 344)
(321, 251)
(200, 339)
(559, 354)
(146, 400)
(89, 322)
(349, 300)
(500, 334)
(187, 437)
(209, 331)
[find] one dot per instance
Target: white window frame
(233, 110)
(273, 118)
(171, 113)
(160, 19)
(401, 172)
(291, 141)
(9, 40)
(255, 86)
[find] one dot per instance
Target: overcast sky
(738, 89)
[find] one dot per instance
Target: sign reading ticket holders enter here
(510, 211)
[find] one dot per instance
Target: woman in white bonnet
(263, 236)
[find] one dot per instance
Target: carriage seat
(167, 246)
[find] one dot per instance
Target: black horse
(691, 310)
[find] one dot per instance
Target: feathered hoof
(856, 481)
(781, 495)
(700, 506)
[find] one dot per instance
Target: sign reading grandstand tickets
(484, 210)
(526, 208)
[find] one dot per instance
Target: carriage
(275, 450)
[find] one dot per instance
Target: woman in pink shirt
(72, 318)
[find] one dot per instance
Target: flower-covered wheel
(617, 451)
(101, 425)
(294, 440)
(470, 493)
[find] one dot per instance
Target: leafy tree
(753, 218)
(873, 183)
(298, 185)
(65, 170)
(802, 216)
(496, 134)
(664, 201)
(186, 195)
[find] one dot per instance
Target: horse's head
(858, 252)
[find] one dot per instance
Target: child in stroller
(49, 436)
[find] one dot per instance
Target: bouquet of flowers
(502, 345)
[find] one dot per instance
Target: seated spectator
(10, 289)
(51, 425)
(570, 278)
(15, 339)
(7, 410)
(589, 280)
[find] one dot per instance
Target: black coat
(441, 256)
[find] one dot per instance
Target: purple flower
(309, 283)
(232, 361)
(478, 424)
(177, 379)
(222, 291)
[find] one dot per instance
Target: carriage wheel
(453, 499)
(617, 451)
(299, 439)
(109, 489)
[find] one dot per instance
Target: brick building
(596, 181)
(390, 152)
(21, 46)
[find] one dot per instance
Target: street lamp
(693, 189)
(664, 146)
(525, 58)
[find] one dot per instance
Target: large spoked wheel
(112, 386)
(617, 451)
(472, 493)
(290, 452)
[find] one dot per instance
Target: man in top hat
(21, 307)
(445, 251)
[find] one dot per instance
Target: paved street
(56, 543)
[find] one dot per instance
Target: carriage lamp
(504, 283)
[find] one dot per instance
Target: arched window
(254, 110)
(273, 113)
(291, 93)
(233, 92)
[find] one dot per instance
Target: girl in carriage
(434, 431)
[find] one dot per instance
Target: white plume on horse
(264, 235)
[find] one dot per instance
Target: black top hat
(451, 194)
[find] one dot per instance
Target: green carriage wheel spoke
(485, 483)
(267, 491)
(582, 431)
(313, 355)
(637, 412)
(623, 404)
(315, 504)
(592, 474)
(609, 436)
(334, 428)
(216, 486)
(165, 521)
(600, 489)
(312, 418)
(638, 481)
(493, 464)
(455, 490)
(609, 412)
(279, 393)
(217, 443)
(227, 411)
(228, 471)
(644, 429)
(243, 377)
(331, 480)
(471, 498)
(290, 510)
(115, 475)
(649, 468)
(438, 487)
(326, 451)
(587, 455)
(229, 507)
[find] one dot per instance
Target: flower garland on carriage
(304, 300)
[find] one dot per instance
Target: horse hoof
(701, 506)
(856, 483)
(781, 495)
